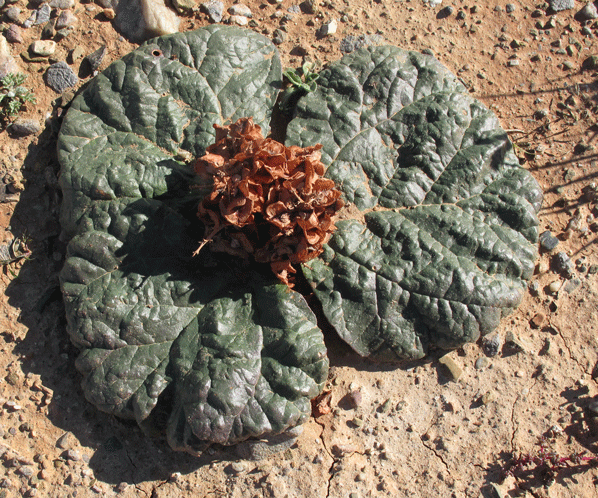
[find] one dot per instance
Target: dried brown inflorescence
(268, 201)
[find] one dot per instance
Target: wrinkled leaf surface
(439, 236)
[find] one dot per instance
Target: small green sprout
(13, 96)
(298, 87)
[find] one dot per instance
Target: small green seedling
(299, 87)
(13, 96)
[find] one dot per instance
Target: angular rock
(310, 6)
(95, 58)
(328, 28)
(538, 320)
(548, 241)
(43, 48)
(7, 62)
(279, 37)
(214, 9)
(62, 4)
(24, 127)
(60, 76)
(588, 13)
(65, 19)
(140, 20)
(454, 370)
(558, 5)
(40, 16)
(240, 9)
(13, 34)
(76, 54)
(49, 29)
(562, 262)
(109, 14)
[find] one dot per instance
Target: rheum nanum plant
(433, 246)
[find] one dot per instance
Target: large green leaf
(205, 349)
(440, 229)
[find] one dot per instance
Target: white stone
(239, 20)
(43, 48)
(329, 28)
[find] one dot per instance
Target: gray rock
(294, 9)
(60, 76)
(351, 43)
(13, 13)
(66, 441)
(95, 58)
(24, 127)
(13, 34)
(558, 5)
(65, 19)
(240, 9)
(482, 362)
(548, 241)
(572, 284)
(73, 455)
(510, 8)
(588, 13)
(491, 345)
(562, 262)
(279, 36)
(42, 15)
(62, 4)
(214, 9)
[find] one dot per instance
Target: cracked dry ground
(415, 431)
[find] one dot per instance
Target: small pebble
(510, 8)
(548, 241)
(562, 262)
(491, 345)
(238, 467)
(62, 4)
(572, 284)
(538, 320)
(109, 14)
(96, 57)
(49, 29)
(328, 28)
(66, 440)
(454, 370)
(239, 20)
(25, 471)
(240, 9)
(72, 455)
(279, 36)
(214, 9)
(445, 12)
(13, 34)
(354, 398)
(482, 362)
(66, 19)
(488, 397)
(554, 287)
(13, 406)
(13, 13)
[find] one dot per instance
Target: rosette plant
(433, 244)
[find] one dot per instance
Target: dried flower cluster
(268, 201)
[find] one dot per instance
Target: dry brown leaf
(268, 201)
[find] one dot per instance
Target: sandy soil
(416, 431)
